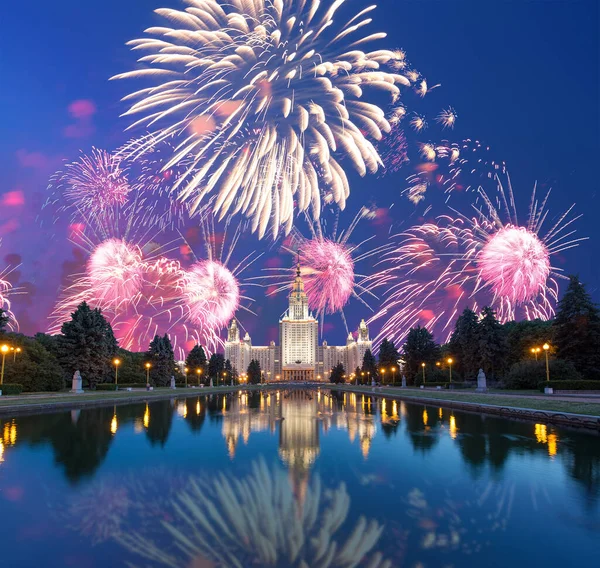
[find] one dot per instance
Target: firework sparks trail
(6, 291)
(437, 269)
(95, 183)
(451, 168)
(327, 264)
(143, 292)
(263, 99)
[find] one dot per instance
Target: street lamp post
(15, 351)
(116, 363)
(546, 349)
(394, 376)
(423, 367)
(382, 376)
(450, 361)
(185, 370)
(4, 350)
(199, 372)
(363, 377)
(148, 374)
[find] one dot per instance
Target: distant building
(298, 357)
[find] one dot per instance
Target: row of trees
(507, 352)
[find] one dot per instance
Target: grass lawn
(44, 399)
(527, 401)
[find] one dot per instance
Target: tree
(523, 336)
(464, 344)
(216, 365)
(337, 374)
(369, 366)
(577, 330)
(419, 348)
(4, 320)
(388, 354)
(492, 343)
(254, 372)
(196, 359)
(162, 359)
(231, 374)
(87, 344)
(34, 367)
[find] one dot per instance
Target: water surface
(295, 478)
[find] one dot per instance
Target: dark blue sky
(523, 77)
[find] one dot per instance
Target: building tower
(298, 333)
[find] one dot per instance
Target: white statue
(481, 381)
(76, 383)
(172, 382)
(403, 381)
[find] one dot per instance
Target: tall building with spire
(298, 357)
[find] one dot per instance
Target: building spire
(298, 273)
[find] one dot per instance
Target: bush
(570, 385)
(132, 385)
(35, 368)
(106, 387)
(529, 374)
(11, 388)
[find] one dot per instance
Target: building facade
(298, 357)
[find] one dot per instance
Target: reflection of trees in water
(161, 418)
(583, 465)
(195, 414)
(256, 521)
(422, 425)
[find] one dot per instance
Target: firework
(418, 122)
(274, 529)
(6, 291)
(328, 262)
(437, 269)
(93, 184)
(447, 118)
(263, 98)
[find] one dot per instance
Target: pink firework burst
(437, 269)
(328, 271)
(328, 262)
(515, 263)
(212, 293)
(92, 184)
(116, 271)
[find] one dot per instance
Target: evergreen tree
(337, 374)
(577, 330)
(4, 320)
(230, 372)
(87, 344)
(419, 348)
(388, 355)
(162, 359)
(216, 365)
(492, 343)
(196, 359)
(464, 344)
(369, 366)
(523, 336)
(254, 372)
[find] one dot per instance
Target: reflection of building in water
(298, 357)
(239, 420)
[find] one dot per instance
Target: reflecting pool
(301, 478)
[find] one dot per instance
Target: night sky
(522, 76)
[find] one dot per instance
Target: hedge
(11, 388)
(133, 385)
(570, 385)
(106, 387)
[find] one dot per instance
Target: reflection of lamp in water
(440, 413)
(425, 417)
(453, 428)
(113, 423)
(198, 407)
(1, 451)
(146, 416)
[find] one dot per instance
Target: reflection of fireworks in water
(438, 269)
(95, 183)
(257, 521)
(263, 94)
(328, 262)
